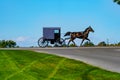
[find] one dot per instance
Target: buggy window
(56, 31)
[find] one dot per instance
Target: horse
(81, 35)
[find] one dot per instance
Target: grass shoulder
(29, 65)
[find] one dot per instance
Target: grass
(29, 65)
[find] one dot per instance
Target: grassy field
(29, 65)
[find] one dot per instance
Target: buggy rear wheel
(42, 42)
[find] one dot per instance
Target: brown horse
(81, 35)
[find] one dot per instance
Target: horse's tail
(67, 34)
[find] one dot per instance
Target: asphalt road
(106, 58)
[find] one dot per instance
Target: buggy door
(56, 34)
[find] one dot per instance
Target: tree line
(7, 44)
(101, 44)
(12, 44)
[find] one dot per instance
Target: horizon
(23, 20)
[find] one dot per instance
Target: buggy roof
(51, 28)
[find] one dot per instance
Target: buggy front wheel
(42, 42)
(60, 42)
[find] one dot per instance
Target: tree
(7, 43)
(2, 43)
(11, 43)
(88, 44)
(102, 43)
(117, 1)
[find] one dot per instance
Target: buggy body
(51, 35)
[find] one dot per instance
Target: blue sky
(23, 20)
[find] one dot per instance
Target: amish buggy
(51, 35)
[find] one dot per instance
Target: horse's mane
(85, 30)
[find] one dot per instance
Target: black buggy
(51, 35)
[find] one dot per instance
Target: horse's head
(90, 29)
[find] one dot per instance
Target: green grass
(29, 65)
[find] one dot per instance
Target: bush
(72, 45)
(118, 44)
(102, 43)
(88, 44)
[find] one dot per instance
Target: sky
(23, 20)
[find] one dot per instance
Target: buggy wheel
(60, 42)
(42, 43)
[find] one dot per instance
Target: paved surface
(106, 58)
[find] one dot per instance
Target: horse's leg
(69, 42)
(81, 42)
(72, 39)
(88, 39)
(73, 42)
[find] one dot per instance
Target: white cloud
(25, 41)
(21, 39)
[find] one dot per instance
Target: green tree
(11, 43)
(2, 43)
(88, 44)
(117, 1)
(102, 43)
(7, 43)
